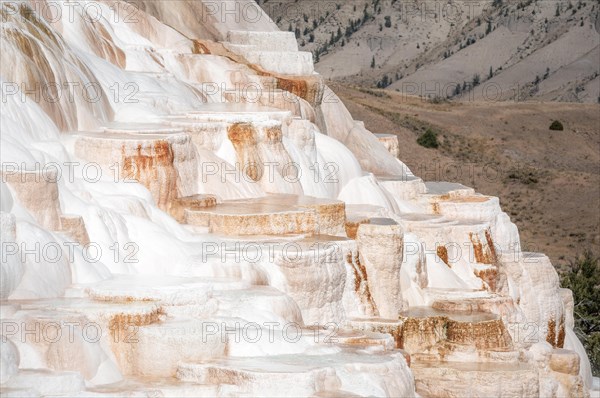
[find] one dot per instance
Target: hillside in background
(548, 181)
(490, 50)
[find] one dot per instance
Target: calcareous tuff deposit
(188, 210)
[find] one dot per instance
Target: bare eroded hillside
(496, 49)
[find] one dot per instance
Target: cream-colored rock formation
(215, 223)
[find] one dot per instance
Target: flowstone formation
(188, 210)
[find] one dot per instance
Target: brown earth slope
(547, 181)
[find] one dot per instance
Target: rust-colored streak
(551, 336)
(152, 167)
(122, 299)
(361, 285)
(309, 88)
(200, 48)
(295, 86)
(357, 278)
(406, 356)
(556, 334)
(274, 135)
(442, 253)
(138, 165)
(352, 227)
(486, 254)
(126, 320)
(241, 134)
(482, 255)
(477, 248)
(243, 138)
(489, 276)
(483, 335)
(491, 247)
(123, 331)
(394, 331)
(419, 334)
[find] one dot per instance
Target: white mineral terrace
(173, 238)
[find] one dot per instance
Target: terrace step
(151, 387)
(156, 349)
(139, 128)
(194, 202)
(103, 312)
(303, 375)
(293, 264)
(447, 189)
(293, 63)
(462, 379)
(504, 306)
(361, 214)
(79, 335)
(275, 57)
(464, 248)
(164, 289)
(273, 97)
(206, 135)
(237, 113)
(42, 383)
(265, 41)
(162, 159)
(360, 337)
(272, 215)
(424, 327)
(436, 192)
(391, 327)
(403, 188)
(261, 301)
(454, 352)
(476, 207)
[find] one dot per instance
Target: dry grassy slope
(547, 181)
(431, 43)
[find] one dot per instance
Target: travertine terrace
(213, 222)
